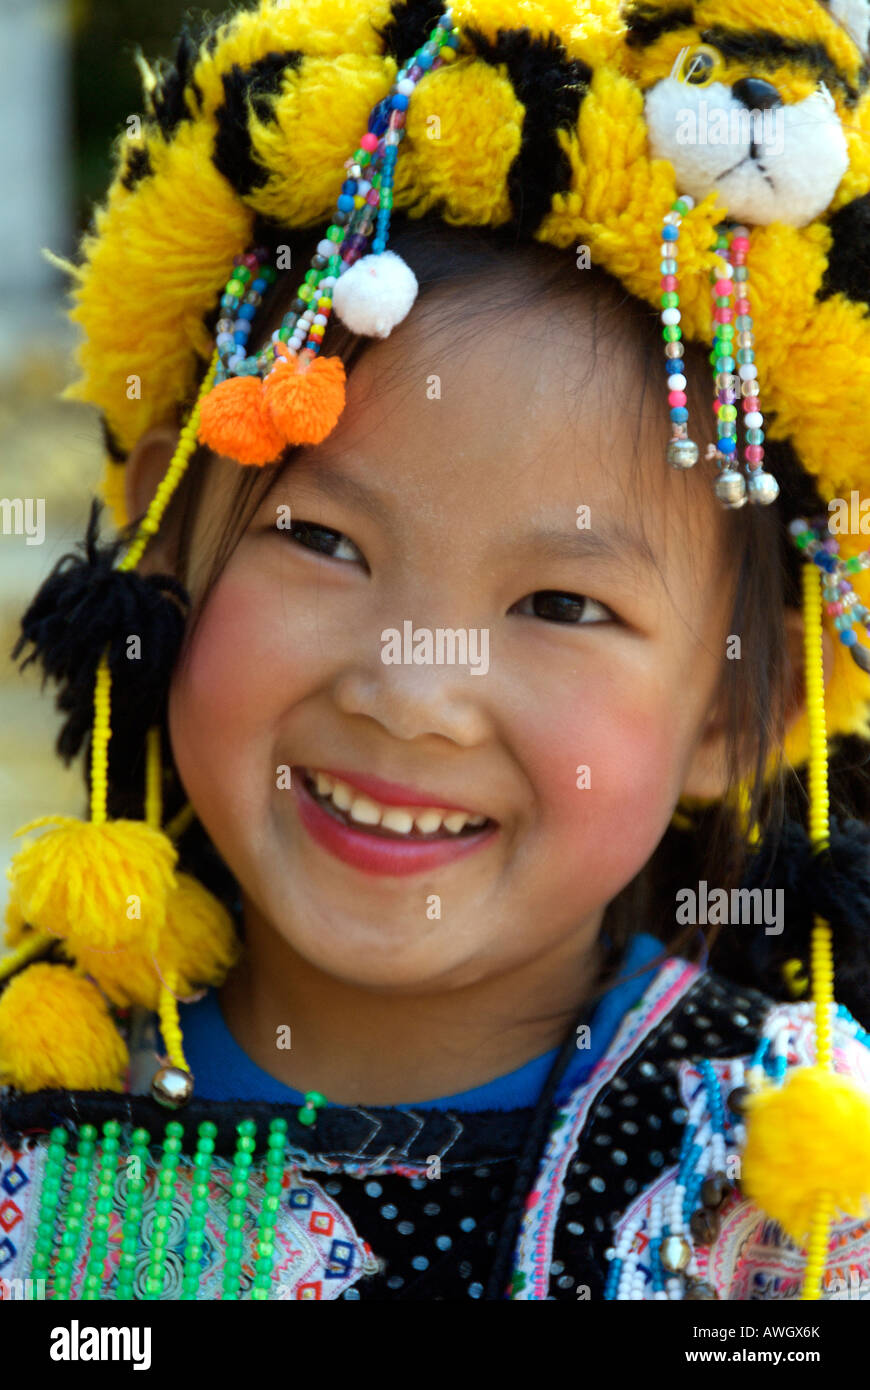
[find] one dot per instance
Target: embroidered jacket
(385, 1203)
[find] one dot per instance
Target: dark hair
(712, 847)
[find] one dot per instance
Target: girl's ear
(707, 777)
(145, 468)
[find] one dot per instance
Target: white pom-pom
(375, 294)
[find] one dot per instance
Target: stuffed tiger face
(753, 102)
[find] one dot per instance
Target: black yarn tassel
(834, 885)
(86, 606)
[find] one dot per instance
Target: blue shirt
(224, 1071)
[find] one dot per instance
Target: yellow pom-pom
(97, 886)
(808, 1137)
(56, 1031)
(305, 398)
(196, 946)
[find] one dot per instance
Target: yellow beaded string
(167, 1005)
(150, 523)
(100, 742)
(153, 779)
(35, 944)
(175, 828)
(821, 955)
(149, 526)
(170, 1026)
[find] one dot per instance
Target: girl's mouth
(413, 839)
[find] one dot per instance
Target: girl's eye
(321, 538)
(556, 607)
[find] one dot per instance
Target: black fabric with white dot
(635, 1126)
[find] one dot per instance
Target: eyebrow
(614, 542)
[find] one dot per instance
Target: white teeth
(363, 810)
(400, 819)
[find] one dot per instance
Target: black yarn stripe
(137, 168)
(409, 27)
(647, 23)
(233, 153)
(848, 268)
(763, 47)
(529, 1163)
(551, 87)
(110, 443)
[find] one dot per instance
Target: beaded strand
(49, 1200)
(682, 451)
(265, 1253)
(166, 1178)
(202, 1161)
(363, 207)
(240, 1177)
(108, 1167)
(74, 1212)
(761, 486)
(842, 604)
(137, 1165)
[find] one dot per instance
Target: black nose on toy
(756, 94)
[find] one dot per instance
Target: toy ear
(854, 15)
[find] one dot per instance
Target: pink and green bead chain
(682, 451)
(733, 359)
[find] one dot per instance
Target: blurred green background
(68, 81)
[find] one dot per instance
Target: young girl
(438, 731)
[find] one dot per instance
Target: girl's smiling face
(448, 497)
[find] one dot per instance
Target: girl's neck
(370, 1047)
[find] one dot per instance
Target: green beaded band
(207, 1133)
(137, 1166)
(166, 1177)
(49, 1202)
(74, 1212)
(95, 1267)
(265, 1256)
(242, 1159)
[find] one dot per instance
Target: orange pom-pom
(305, 398)
(234, 420)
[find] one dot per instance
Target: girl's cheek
(607, 776)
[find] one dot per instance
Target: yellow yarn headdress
(562, 119)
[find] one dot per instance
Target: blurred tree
(106, 83)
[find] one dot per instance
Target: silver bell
(682, 453)
(172, 1087)
(762, 488)
(730, 488)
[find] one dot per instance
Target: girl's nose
(411, 701)
(756, 94)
